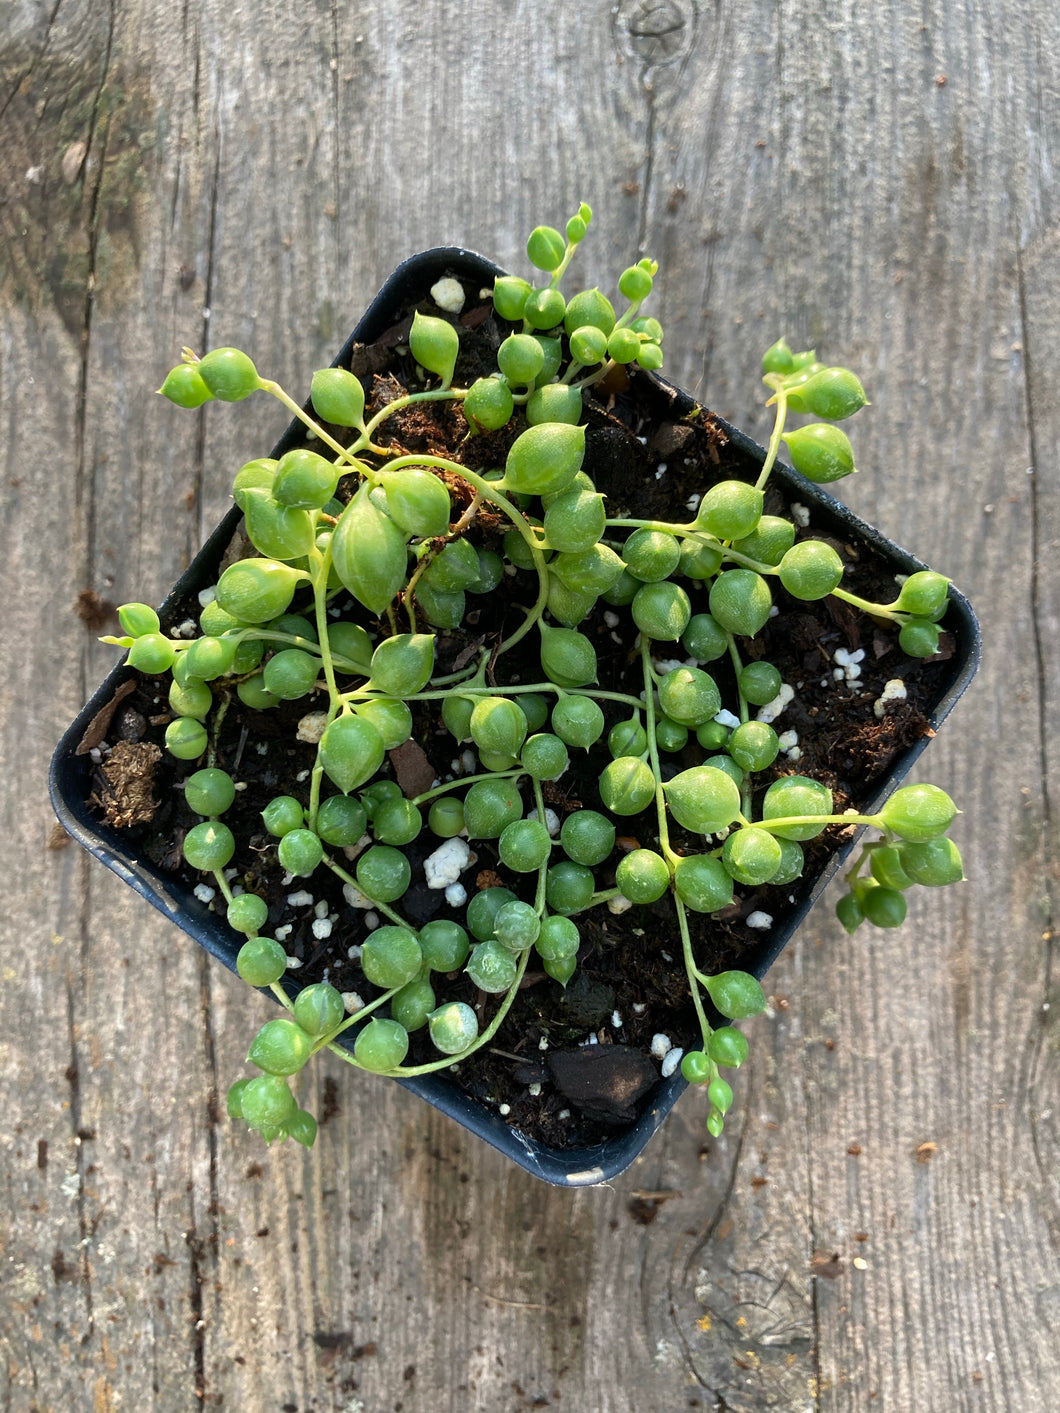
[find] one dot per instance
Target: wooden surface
(878, 1229)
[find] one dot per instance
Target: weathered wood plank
(250, 176)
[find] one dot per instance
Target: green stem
(653, 752)
(281, 996)
(864, 854)
(542, 872)
(878, 610)
(377, 906)
(222, 884)
(597, 376)
(431, 395)
(745, 715)
(466, 780)
(344, 453)
(668, 527)
(526, 687)
(772, 825)
(222, 710)
(470, 690)
(514, 514)
(406, 1071)
(691, 971)
(773, 450)
(326, 1041)
(737, 665)
(561, 268)
(320, 563)
(408, 594)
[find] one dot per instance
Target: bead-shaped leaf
(338, 397)
(402, 664)
(435, 345)
(834, 393)
(351, 751)
(304, 480)
(703, 799)
(368, 552)
(821, 452)
(257, 590)
(276, 530)
(545, 459)
(418, 501)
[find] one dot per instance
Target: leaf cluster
(361, 559)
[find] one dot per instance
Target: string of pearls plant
(351, 526)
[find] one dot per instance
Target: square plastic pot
(70, 770)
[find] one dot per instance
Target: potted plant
(519, 710)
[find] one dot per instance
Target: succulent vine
(361, 559)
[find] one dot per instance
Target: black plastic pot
(70, 771)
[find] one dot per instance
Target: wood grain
(878, 1229)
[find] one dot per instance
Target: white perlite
(671, 1060)
(800, 514)
(726, 718)
(618, 905)
(668, 664)
(355, 897)
(893, 691)
(302, 899)
(456, 895)
(205, 893)
(551, 821)
(448, 294)
(777, 706)
(660, 1045)
(848, 664)
(761, 922)
(311, 727)
(447, 863)
(321, 928)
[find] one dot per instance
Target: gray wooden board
(878, 1228)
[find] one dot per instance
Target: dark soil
(630, 985)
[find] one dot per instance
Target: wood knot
(655, 31)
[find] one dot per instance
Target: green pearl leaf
(369, 553)
(351, 751)
(435, 345)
